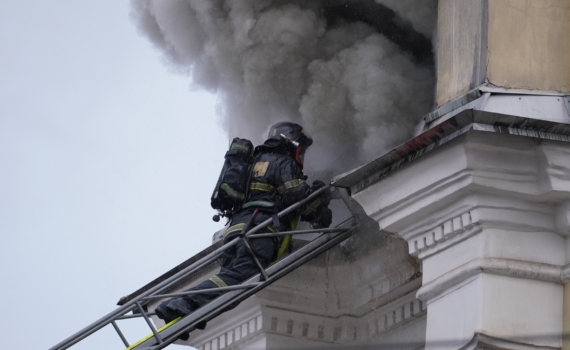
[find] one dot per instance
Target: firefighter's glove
(316, 185)
(323, 218)
(325, 197)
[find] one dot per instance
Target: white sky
(107, 163)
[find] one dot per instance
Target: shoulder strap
(248, 183)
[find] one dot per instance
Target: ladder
(168, 334)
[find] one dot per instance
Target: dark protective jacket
(277, 182)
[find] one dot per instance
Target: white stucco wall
(487, 215)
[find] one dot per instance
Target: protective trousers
(237, 265)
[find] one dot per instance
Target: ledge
(495, 266)
(483, 341)
(468, 119)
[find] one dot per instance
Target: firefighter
(277, 182)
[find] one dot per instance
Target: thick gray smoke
(420, 14)
(357, 91)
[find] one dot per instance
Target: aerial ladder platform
(162, 337)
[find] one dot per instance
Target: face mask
(300, 155)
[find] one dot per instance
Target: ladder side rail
(131, 305)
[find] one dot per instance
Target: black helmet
(290, 132)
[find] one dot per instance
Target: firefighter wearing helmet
(276, 182)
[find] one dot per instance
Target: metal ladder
(161, 338)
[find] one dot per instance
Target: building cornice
(463, 219)
(481, 341)
(495, 266)
(470, 113)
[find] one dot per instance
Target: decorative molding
(461, 226)
(391, 216)
(482, 341)
(462, 219)
(496, 266)
(304, 326)
(347, 328)
(394, 318)
(238, 334)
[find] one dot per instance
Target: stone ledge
(482, 341)
(462, 219)
(394, 318)
(496, 266)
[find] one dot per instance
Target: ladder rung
(120, 334)
(150, 325)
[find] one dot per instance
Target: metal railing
(233, 294)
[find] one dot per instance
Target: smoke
(421, 15)
(358, 75)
